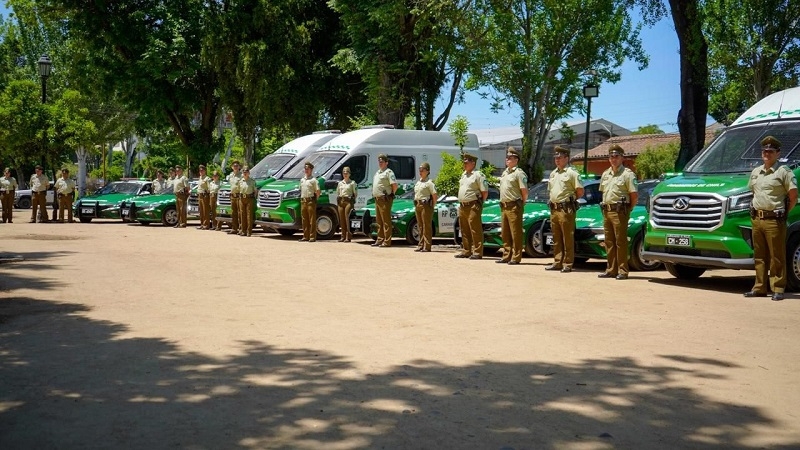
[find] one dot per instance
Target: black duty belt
(468, 204)
(308, 199)
(766, 214)
(423, 202)
(203, 194)
(609, 207)
(235, 195)
(510, 204)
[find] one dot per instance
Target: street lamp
(45, 66)
(590, 91)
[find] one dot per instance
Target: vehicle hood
(107, 199)
(288, 185)
(146, 201)
(723, 184)
(591, 216)
(531, 211)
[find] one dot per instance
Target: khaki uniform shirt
(382, 182)
(347, 189)
(159, 186)
(39, 183)
(308, 187)
(233, 180)
(512, 182)
(202, 185)
(617, 186)
(247, 186)
(564, 184)
(771, 187)
(424, 189)
(180, 185)
(64, 187)
(213, 187)
(470, 186)
(168, 185)
(8, 184)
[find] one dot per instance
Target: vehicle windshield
(322, 162)
(644, 190)
(739, 149)
(409, 194)
(538, 193)
(269, 165)
(120, 187)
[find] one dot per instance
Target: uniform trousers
(65, 203)
(615, 227)
(511, 231)
(383, 216)
(309, 219)
(424, 214)
(202, 206)
(39, 206)
(562, 224)
(469, 220)
(344, 206)
(769, 254)
(180, 204)
(235, 213)
(8, 205)
(212, 212)
(247, 207)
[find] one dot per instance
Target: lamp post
(590, 91)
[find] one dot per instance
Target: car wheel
(534, 245)
(682, 272)
(170, 217)
(793, 262)
(326, 225)
(85, 219)
(636, 261)
(24, 203)
(286, 233)
(457, 233)
(413, 232)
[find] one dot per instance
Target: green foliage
(447, 179)
(648, 129)
(113, 173)
(655, 161)
(458, 128)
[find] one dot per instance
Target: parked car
(22, 197)
(104, 204)
(159, 208)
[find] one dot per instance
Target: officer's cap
(202, 167)
(469, 158)
(308, 165)
(559, 150)
(770, 143)
(425, 166)
(383, 157)
(235, 163)
(246, 169)
(215, 174)
(615, 150)
(64, 170)
(346, 170)
(38, 167)
(178, 167)
(7, 170)
(512, 152)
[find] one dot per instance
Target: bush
(655, 161)
(447, 179)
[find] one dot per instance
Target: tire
(456, 235)
(144, 222)
(636, 261)
(535, 240)
(24, 203)
(287, 233)
(793, 262)
(170, 217)
(579, 260)
(85, 219)
(413, 232)
(682, 272)
(326, 225)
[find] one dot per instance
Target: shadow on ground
(14, 265)
(71, 382)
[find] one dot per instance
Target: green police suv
(104, 204)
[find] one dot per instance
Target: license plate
(679, 240)
(265, 215)
(125, 212)
(221, 211)
(355, 224)
(548, 239)
(194, 210)
(87, 210)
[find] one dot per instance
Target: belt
(613, 207)
(465, 204)
(424, 201)
(765, 214)
(235, 195)
(248, 195)
(308, 199)
(509, 204)
(203, 194)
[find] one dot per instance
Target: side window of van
(358, 168)
(403, 167)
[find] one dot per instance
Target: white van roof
(780, 105)
(302, 143)
(384, 138)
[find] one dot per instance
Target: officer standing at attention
(346, 192)
(39, 184)
(170, 180)
(213, 190)
(247, 206)
(384, 185)
(513, 195)
(309, 193)
(65, 189)
(473, 189)
(774, 195)
(8, 187)
(618, 185)
(565, 189)
(203, 197)
(181, 189)
(424, 201)
(159, 184)
(233, 180)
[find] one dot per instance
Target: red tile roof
(636, 144)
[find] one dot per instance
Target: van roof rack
(372, 127)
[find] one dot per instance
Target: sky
(650, 96)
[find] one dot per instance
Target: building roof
(513, 135)
(636, 144)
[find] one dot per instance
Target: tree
(458, 129)
(656, 161)
(648, 129)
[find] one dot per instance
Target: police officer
(170, 180)
(247, 200)
(8, 187)
(565, 189)
(159, 184)
(384, 185)
(473, 189)
(424, 202)
(233, 180)
(618, 185)
(180, 186)
(39, 185)
(309, 193)
(213, 190)
(203, 197)
(774, 195)
(65, 190)
(513, 195)
(346, 192)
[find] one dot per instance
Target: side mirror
(337, 177)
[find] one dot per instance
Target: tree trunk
(129, 145)
(81, 154)
(694, 79)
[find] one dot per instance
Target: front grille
(224, 197)
(490, 226)
(687, 211)
(687, 251)
(269, 199)
(193, 199)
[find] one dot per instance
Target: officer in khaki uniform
(65, 191)
(233, 180)
(774, 195)
(203, 197)
(309, 193)
(565, 189)
(424, 202)
(8, 187)
(181, 189)
(384, 185)
(473, 189)
(213, 190)
(346, 193)
(618, 185)
(170, 181)
(513, 195)
(247, 203)
(39, 185)
(159, 184)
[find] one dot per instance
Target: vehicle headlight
(397, 215)
(294, 193)
(740, 202)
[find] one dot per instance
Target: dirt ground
(126, 336)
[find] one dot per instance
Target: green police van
(700, 219)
